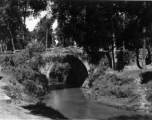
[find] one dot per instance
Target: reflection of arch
(139, 60)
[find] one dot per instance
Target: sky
(31, 22)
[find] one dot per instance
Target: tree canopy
(12, 20)
(91, 24)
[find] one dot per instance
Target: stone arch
(76, 74)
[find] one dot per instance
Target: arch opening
(69, 70)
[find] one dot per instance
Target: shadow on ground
(147, 76)
(135, 117)
(1, 77)
(42, 110)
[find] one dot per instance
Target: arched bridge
(63, 66)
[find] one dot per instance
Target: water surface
(73, 104)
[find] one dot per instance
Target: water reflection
(73, 104)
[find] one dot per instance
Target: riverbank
(12, 111)
(18, 109)
(121, 89)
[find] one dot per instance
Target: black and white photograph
(75, 60)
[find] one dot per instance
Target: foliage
(12, 20)
(60, 72)
(111, 85)
(101, 19)
(125, 58)
(149, 90)
(98, 70)
(43, 30)
(92, 24)
(108, 84)
(35, 47)
(25, 69)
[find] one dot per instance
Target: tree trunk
(148, 58)
(137, 58)
(144, 56)
(24, 20)
(124, 17)
(52, 39)
(12, 40)
(114, 53)
(109, 59)
(46, 43)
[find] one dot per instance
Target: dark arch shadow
(76, 74)
(146, 77)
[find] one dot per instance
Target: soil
(11, 111)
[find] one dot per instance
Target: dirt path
(15, 112)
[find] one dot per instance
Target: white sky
(55, 24)
(31, 22)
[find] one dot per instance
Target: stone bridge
(62, 66)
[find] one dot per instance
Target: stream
(73, 104)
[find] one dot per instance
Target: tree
(96, 25)
(31, 7)
(10, 20)
(141, 19)
(43, 31)
(90, 24)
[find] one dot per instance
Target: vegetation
(107, 25)
(111, 89)
(115, 29)
(24, 67)
(12, 21)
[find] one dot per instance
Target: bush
(35, 47)
(5, 60)
(111, 85)
(98, 71)
(60, 71)
(24, 66)
(149, 91)
(20, 58)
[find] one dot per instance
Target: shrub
(24, 66)
(35, 47)
(36, 62)
(60, 71)
(111, 85)
(20, 58)
(149, 91)
(5, 60)
(97, 71)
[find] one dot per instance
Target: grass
(119, 89)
